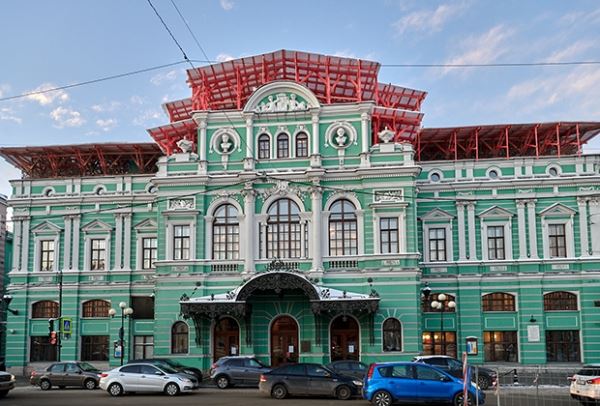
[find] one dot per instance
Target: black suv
(485, 377)
(235, 370)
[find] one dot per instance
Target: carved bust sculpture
(225, 144)
(341, 137)
(185, 145)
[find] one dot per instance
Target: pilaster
(460, 217)
(316, 194)
(532, 229)
(471, 224)
(249, 207)
(315, 158)
(522, 232)
(582, 202)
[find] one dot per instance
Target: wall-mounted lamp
(6, 299)
(532, 319)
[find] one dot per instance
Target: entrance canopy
(322, 299)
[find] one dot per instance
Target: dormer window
(283, 146)
(264, 147)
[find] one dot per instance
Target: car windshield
(589, 372)
(87, 367)
(454, 364)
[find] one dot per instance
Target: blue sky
(45, 44)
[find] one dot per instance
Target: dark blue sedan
(392, 382)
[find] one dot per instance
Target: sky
(53, 43)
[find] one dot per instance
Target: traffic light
(53, 339)
(50, 327)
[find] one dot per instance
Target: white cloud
(222, 57)
(106, 125)
(486, 48)
(226, 4)
(66, 117)
(428, 20)
(580, 17)
(106, 107)
(4, 88)
(8, 114)
(162, 77)
(148, 116)
(135, 99)
(49, 97)
(571, 51)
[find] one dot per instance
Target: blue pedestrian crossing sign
(66, 325)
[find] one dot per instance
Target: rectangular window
(388, 233)
(434, 343)
(41, 350)
(149, 249)
(301, 145)
(46, 255)
(557, 240)
(143, 347)
(98, 252)
(143, 307)
(500, 346)
(495, 240)
(94, 348)
(562, 346)
(437, 244)
(181, 242)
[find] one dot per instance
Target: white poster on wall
(533, 334)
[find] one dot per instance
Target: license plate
(580, 382)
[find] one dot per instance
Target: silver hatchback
(146, 378)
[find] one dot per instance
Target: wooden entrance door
(284, 341)
(344, 339)
(226, 338)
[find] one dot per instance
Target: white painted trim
(401, 217)
(88, 251)
(170, 223)
(360, 221)
(489, 292)
(171, 339)
(37, 251)
(507, 224)
(449, 249)
(280, 86)
(139, 249)
(263, 130)
(283, 131)
(569, 238)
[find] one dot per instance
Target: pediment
(46, 227)
(146, 225)
(557, 209)
(437, 215)
(495, 212)
(281, 96)
(96, 226)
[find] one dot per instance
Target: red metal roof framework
(83, 160)
(504, 140)
(167, 136)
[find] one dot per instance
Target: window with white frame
(181, 242)
(149, 252)
(557, 240)
(343, 229)
(264, 146)
(388, 235)
(283, 230)
(226, 233)
(301, 145)
(437, 236)
(97, 254)
(496, 234)
(437, 244)
(495, 242)
(47, 255)
(283, 146)
(557, 231)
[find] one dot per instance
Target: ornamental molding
(282, 188)
(388, 196)
(281, 96)
(437, 215)
(46, 227)
(181, 204)
(340, 135)
(496, 212)
(282, 102)
(557, 209)
(97, 226)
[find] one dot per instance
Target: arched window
(392, 335)
(343, 236)
(283, 230)
(434, 298)
(226, 233)
(96, 308)
(560, 301)
(46, 309)
(498, 302)
(301, 145)
(283, 146)
(179, 338)
(264, 146)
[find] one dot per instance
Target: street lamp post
(441, 304)
(125, 312)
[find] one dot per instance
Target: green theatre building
(294, 208)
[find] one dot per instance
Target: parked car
(195, 372)
(585, 385)
(147, 377)
(7, 383)
(486, 377)
(355, 369)
(308, 380)
(392, 382)
(63, 374)
(237, 370)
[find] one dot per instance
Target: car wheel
(172, 389)
(382, 398)
(89, 384)
(483, 382)
(459, 399)
(343, 393)
(115, 389)
(3, 393)
(45, 384)
(279, 392)
(222, 382)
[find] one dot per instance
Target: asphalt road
(27, 395)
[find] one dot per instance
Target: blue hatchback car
(392, 382)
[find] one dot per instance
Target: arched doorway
(226, 338)
(284, 341)
(344, 339)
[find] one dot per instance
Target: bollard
(515, 377)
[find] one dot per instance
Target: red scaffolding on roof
(83, 160)
(167, 136)
(504, 140)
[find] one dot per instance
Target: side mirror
(445, 379)
(158, 373)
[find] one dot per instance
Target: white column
(25, 245)
(583, 226)
(462, 248)
(17, 245)
(67, 248)
(249, 160)
(302, 239)
(595, 225)
(317, 236)
(76, 231)
(249, 238)
(315, 160)
(364, 156)
(118, 241)
(532, 229)
(208, 242)
(127, 242)
(522, 232)
(202, 141)
(471, 223)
